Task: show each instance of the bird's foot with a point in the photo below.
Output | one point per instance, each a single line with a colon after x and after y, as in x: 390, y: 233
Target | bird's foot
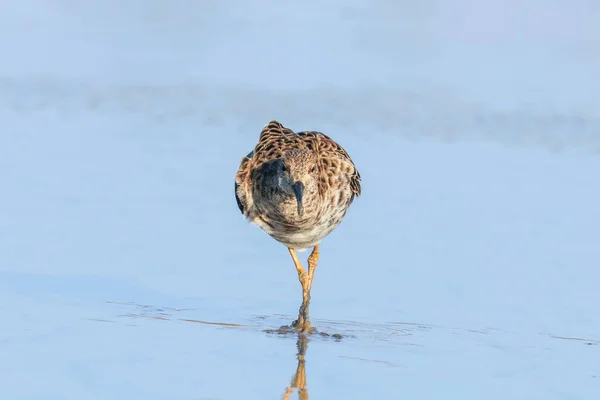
x: 302, y: 325
x: 306, y: 330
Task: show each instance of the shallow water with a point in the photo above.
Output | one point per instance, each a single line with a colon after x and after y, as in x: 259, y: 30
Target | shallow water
x: 468, y: 268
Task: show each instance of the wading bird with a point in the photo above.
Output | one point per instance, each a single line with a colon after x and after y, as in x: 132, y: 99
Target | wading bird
x: 297, y: 187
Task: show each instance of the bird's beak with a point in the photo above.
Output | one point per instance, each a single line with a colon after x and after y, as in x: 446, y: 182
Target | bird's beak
x: 298, y: 189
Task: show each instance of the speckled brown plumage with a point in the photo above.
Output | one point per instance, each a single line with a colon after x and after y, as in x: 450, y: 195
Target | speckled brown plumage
x: 297, y: 187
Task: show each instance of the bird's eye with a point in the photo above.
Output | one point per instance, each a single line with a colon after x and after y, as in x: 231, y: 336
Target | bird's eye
x: 313, y: 169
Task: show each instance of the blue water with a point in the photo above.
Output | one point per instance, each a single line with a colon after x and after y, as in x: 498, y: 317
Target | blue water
x: 467, y: 270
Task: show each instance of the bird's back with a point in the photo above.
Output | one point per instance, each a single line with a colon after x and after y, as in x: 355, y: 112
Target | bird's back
x: 338, y: 178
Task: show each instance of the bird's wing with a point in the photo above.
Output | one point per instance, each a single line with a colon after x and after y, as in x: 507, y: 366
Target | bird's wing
x: 240, y: 187
x: 329, y: 152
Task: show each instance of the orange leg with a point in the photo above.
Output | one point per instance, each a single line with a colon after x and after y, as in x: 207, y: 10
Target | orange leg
x: 313, y: 260
x: 303, y: 322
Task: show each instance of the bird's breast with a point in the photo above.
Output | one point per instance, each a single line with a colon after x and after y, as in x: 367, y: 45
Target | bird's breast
x: 282, y: 222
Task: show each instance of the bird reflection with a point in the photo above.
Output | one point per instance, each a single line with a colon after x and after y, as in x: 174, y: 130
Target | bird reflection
x: 299, y: 379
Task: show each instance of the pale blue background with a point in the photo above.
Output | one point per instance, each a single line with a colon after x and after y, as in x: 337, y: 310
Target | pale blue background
x: 461, y: 273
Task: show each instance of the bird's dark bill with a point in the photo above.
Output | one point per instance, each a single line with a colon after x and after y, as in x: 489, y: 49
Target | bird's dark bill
x: 298, y: 189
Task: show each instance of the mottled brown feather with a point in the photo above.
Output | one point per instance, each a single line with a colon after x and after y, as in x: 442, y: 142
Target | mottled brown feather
x: 275, y: 140
x: 339, y: 182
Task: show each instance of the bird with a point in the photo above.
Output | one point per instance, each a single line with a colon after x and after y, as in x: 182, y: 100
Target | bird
x: 297, y: 187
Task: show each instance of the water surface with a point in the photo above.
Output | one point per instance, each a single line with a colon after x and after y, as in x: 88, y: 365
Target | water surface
x: 467, y: 270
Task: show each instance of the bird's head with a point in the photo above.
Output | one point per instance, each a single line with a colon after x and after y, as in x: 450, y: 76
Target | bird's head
x: 298, y: 174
